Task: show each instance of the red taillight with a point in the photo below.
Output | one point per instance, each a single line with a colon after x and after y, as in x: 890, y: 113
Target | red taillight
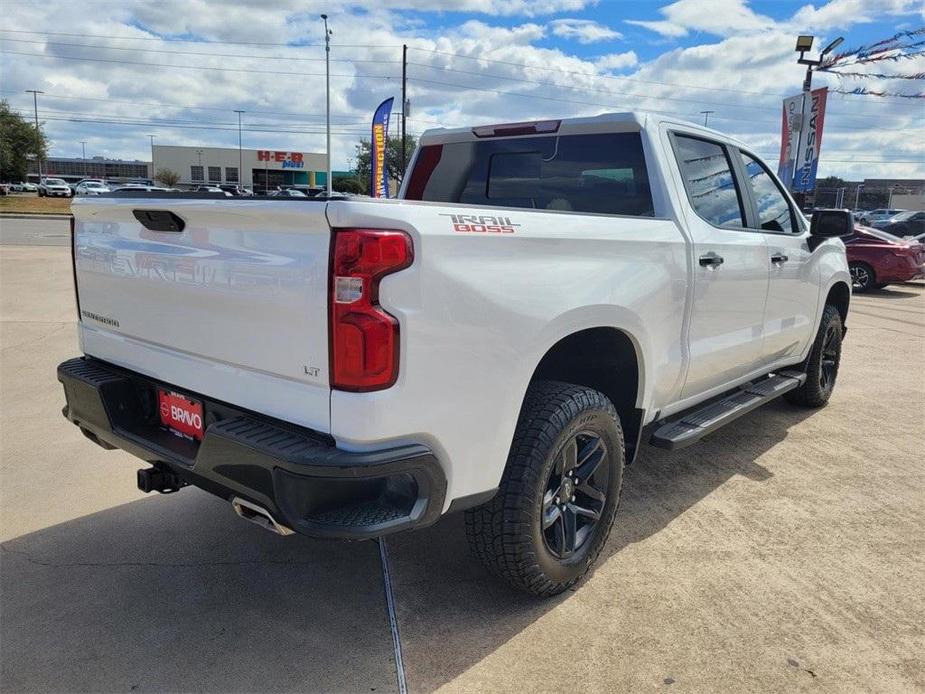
x: 364, y: 338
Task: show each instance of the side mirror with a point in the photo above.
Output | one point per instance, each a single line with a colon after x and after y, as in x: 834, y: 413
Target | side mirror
x: 827, y: 224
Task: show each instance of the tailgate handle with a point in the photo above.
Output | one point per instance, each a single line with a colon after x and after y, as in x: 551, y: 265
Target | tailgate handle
x: 159, y: 220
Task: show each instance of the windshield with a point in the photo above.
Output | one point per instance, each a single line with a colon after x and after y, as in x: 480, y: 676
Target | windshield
x: 55, y: 182
x: 902, y: 216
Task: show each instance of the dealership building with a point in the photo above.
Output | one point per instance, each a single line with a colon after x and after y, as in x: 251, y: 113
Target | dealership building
x: 259, y: 168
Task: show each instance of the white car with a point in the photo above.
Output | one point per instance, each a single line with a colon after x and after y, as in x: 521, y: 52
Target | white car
x: 543, y: 300
x: 55, y: 187
x: 29, y: 187
x: 91, y: 188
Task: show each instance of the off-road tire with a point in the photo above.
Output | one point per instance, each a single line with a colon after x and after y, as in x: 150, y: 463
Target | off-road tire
x: 816, y: 391
x: 506, y: 533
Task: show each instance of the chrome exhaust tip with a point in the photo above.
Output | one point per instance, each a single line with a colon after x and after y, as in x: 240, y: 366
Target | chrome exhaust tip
x: 260, y: 516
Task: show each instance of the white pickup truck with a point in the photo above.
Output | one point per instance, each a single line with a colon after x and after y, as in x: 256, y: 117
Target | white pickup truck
x: 543, y: 299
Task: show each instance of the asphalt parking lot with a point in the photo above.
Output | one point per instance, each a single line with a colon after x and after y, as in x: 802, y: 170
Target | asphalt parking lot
x: 786, y: 552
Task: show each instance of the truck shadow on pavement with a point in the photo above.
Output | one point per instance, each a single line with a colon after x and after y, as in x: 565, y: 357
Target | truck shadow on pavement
x: 453, y: 613
x: 176, y: 594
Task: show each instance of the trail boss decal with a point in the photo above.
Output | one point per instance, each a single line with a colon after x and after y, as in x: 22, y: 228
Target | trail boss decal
x: 481, y: 224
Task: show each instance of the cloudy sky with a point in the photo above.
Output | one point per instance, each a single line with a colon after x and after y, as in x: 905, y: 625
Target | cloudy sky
x: 116, y: 71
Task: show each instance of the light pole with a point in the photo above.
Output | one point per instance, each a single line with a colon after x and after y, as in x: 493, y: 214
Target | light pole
x: 240, y: 155
x: 889, y: 202
x: 805, y: 43
x: 857, y: 195
x: 83, y: 153
x: 327, y: 81
x: 35, y: 103
x: 153, y: 167
x: 706, y: 117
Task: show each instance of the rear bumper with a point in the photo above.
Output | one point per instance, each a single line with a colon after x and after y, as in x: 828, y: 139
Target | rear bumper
x: 298, y: 475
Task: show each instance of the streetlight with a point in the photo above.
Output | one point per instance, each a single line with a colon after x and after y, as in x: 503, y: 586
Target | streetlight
x: 35, y: 103
x: 83, y: 152
x: 240, y: 156
x: 706, y: 117
x: 857, y: 195
x: 804, y: 44
x: 153, y: 168
x: 327, y: 79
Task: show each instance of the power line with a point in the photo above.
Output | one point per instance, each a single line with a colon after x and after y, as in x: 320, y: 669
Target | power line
x: 199, y: 53
x: 619, y: 94
x: 583, y: 74
x: 163, y: 104
x: 176, y: 40
x: 193, y: 67
x: 597, y: 103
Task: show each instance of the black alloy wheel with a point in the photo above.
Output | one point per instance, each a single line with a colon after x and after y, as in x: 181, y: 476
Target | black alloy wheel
x: 575, y: 494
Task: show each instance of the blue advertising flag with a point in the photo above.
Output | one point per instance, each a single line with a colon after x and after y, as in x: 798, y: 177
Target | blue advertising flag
x: 379, y: 172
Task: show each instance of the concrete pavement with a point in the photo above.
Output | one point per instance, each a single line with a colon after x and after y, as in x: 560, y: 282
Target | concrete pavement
x: 785, y: 552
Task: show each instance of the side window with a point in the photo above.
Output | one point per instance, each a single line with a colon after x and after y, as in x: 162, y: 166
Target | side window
x: 774, y: 213
x: 710, y: 185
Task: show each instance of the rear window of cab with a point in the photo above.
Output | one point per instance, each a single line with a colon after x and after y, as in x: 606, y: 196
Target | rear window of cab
x: 597, y: 173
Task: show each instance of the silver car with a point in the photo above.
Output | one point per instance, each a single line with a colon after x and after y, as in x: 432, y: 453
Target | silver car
x: 91, y: 188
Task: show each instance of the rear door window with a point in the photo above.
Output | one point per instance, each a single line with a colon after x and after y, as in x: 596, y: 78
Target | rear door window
x: 600, y: 173
x: 711, y: 187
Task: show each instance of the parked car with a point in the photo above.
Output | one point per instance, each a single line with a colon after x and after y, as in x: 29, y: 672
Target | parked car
x: 55, y: 187
x: 906, y: 224
x: 237, y: 191
x: 287, y: 193
x: 918, y: 238
x: 29, y: 187
x: 545, y: 299
x: 878, y: 216
x: 139, y: 188
x: 91, y: 188
x: 213, y: 189
x: 15, y: 187
x: 876, y: 259
x: 5, y: 188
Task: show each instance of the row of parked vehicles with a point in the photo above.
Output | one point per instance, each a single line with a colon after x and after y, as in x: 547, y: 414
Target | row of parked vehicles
x: 58, y: 187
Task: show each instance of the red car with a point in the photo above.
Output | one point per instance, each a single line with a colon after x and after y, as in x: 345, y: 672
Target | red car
x: 877, y: 259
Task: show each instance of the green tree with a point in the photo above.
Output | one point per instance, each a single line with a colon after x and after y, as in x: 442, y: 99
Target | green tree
x: 18, y: 140
x: 392, y: 159
x: 348, y: 184
x: 168, y: 177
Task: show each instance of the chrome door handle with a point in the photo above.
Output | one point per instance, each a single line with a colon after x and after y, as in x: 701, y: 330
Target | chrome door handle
x: 779, y: 258
x: 711, y: 260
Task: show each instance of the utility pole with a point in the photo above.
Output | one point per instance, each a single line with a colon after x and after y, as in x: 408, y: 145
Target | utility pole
x: 706, y: 117
x: 83, y: 152
x: 404, y: 105
x: 240, y: 155
x: 327, y: 81
x: 35, y: 103
x: 153, y: 167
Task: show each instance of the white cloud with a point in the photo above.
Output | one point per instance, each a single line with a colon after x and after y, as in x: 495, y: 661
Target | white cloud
x: 465, y: 74
x: 615, y: 61
x: 839, y: 14
x: 583, y: 30
x: 719, y: 17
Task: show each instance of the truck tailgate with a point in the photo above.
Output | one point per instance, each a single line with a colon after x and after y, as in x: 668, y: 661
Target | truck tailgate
x: 234, y: 306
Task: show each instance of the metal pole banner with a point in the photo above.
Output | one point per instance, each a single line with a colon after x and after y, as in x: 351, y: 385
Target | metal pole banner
x: 378, y: 171
x: 791, y: 118
x: 804, y: 178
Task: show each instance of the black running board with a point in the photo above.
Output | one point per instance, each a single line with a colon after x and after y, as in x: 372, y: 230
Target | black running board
x: 693, y: 425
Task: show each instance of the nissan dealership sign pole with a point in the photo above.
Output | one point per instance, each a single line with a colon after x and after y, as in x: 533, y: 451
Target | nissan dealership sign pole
x: 801, y: 133
x: 327, y: 80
